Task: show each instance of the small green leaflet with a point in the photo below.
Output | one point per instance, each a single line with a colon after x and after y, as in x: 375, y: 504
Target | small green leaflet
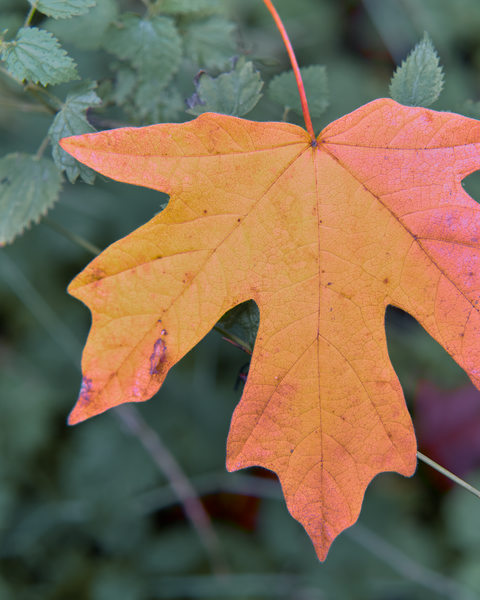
x: 95, y: 22
x: 125, y: 82
x: 234, y: 93
x: 71, y: 121
x: 28, y: 188
x: 188, y: 6
x: 284, y: 91
x: 36, y: 55
x: 153, y: 46
x: 419, y: 80
x: 156, y: 104
x: 209, y: 43
x: 243, y: 321
x: 62, y: 9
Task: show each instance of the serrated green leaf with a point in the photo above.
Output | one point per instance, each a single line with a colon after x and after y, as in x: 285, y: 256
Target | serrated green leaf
x: 188, y: 6
x: 125, y: 83
x: 234, y: 93
x: 69, y: 121
x: 419, y: 80
x: 62, y: 9
x: 209, y: 43
x: 152, y: 45
x: 95, y: 22
x: 154, y: 105
x: 243, y: 320
x: 284, y: 91
x: 28, y: 188
x: 37, y: 56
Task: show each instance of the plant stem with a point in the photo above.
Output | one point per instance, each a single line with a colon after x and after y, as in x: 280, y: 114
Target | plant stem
x: 8, y: 74
x: 31, y: 12
x: 236, y: 340
x: 179, y: 482
x: 28, y: 107
x: 73, y: 237
x: 296, y: 70
x: 42, y: 148
x: 285, y: 114
x: 129, y: 415
x: 451, y: 476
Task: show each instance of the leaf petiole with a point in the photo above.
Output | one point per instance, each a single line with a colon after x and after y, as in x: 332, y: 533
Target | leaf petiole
x: 73, y: 237
x: 451, y: 476
x: 295, y: 67
x: 29, y: 17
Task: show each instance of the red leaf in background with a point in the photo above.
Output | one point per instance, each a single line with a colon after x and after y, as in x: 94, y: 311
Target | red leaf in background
x: 447, y: 423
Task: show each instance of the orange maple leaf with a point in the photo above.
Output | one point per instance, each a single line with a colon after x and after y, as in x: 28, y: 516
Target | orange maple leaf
x: 323, y: 236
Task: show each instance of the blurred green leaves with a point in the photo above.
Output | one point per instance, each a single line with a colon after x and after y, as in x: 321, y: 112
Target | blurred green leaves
x: 29, y: 186
x: 36, y: 55
x: 419, y: 80
x: 95, y: 22
x: 71, y: 120
x: 209, y: 43
x: 62, y: 9
x: 284, y: 91
x: 152, y: 46
x: 234, y: 93
x: 189, y: 6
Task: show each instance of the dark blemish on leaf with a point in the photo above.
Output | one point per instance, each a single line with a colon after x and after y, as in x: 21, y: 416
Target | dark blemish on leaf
x: 157, y: 357
x: 470, y: 274
x: 95, y: 274
x: 85, y: 391
x: 239, y: 220
x: 205, y: 212
x: 164, y: 332
x: 4, y: 180
x: 291, y: 451
x: 385, y: 280
x: 329, y: 283
x: 462, y: 335
x: 314, y: 144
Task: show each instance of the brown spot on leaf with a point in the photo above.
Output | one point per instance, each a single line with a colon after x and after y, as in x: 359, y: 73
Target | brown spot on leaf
x: 94, y: 274
x: 385, y: 280
x: 85, y: 391
x: 157, y: 357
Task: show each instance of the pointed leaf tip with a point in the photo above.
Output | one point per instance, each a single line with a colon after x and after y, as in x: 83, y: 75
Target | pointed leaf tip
x: 419, y: 80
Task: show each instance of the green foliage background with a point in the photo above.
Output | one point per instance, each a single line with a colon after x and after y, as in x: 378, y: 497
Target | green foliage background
x: 84, y: 513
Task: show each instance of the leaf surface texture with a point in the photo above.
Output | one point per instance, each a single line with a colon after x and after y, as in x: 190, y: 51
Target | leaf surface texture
x: 323, y: 237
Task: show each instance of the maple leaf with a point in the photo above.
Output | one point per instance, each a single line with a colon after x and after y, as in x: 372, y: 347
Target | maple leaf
x: 322, y: 236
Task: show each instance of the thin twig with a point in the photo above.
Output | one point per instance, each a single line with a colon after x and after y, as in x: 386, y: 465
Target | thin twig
x: 185, y: 492
x: 42, y: 148
x: 451, y: 476
x: 407, y: 567
x: 29, y: 17
x: 28, y: 107
x: 296, y: 70
x: 128, y: 414
x: 8, y: 74
x: 235, y: 339
x: 73, y: 237
x: 249, y: 485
